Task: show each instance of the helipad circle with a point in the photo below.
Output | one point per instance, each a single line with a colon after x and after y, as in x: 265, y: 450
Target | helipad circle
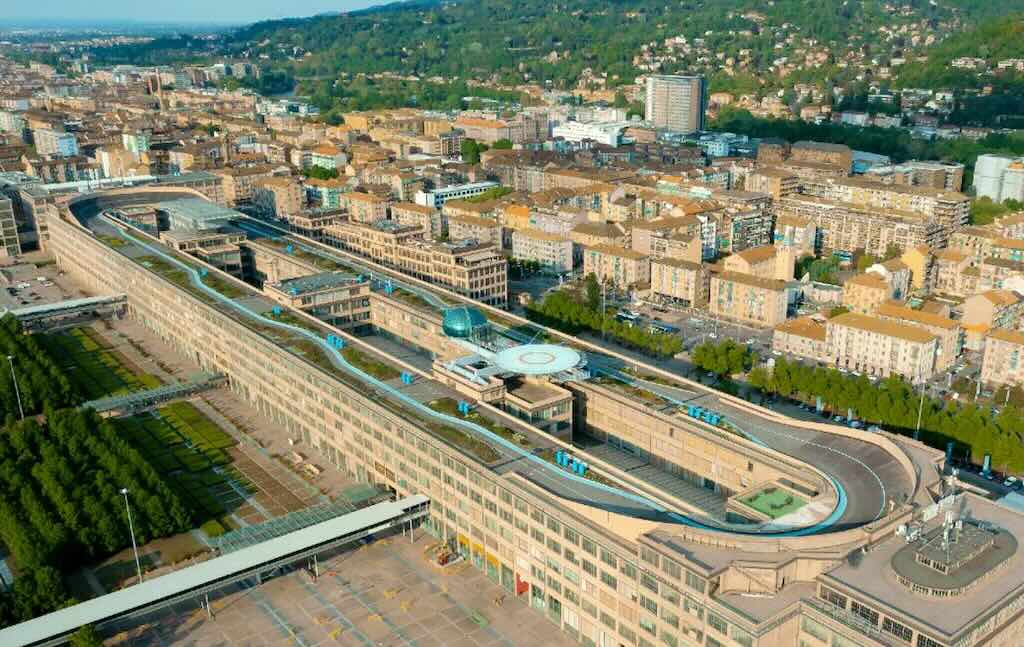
x: 537, y: 359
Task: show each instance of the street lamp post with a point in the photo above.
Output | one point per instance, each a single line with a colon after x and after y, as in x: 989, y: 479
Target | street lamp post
x: 17, y: 391
x: 920, y: 410
x: 131, y: 530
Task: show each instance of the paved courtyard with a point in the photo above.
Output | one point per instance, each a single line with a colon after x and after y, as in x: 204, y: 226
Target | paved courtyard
x: 380, y: 594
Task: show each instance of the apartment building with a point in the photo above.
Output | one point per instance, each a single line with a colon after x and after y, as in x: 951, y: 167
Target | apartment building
x: 552, y: 251
x: 743, y: 228
x: 595, y: 234
x: 676, y: 103
x: 845, y: 228
x: 279, y: 196
x: 623, y: 268
x: 55, y: 143
x: 474, y: 270
x: 766, y: 261
x: 679, y: 281
x: 798, y: 233
x: 483, y: 230
x: 486, y: 131
x: 409, y: 214
x: 919, y: 261
x: 880, y: 347
x: 951, y: 273
x: 9, y: 243
x: 378, y: 240
x: 981, y: 243
x: 648, y: 236
x: 999, y: 274
x: 365, y: 207
x: 949, y: 332
x: 949, y: 209
x: 777, y: 183
x: 1003, y: 361
x: 863, y: 293
x: 240, y: 183
x: 946, y: 176
x: 802, y: 337
x: 896, y: 273
x: 752, y: 300
x: 337, y: 298
x: 998, y: 177
x: 988, y: 311
x: 329, y: 194
x: 838, y: 155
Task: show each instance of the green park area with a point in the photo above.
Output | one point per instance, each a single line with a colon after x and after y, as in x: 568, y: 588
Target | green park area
x: 774, y: 502
x: 190, y: 453
x: 94, y: 367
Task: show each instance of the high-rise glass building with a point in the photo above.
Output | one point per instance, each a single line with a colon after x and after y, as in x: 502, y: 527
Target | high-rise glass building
x: 676, y: 103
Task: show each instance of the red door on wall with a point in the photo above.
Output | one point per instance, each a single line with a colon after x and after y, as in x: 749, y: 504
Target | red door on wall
x: 521, y: 586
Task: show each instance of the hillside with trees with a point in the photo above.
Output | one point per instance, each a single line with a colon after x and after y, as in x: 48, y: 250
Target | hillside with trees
x: 558, y: 44
x: 993, y: 40
x: 897, y: 144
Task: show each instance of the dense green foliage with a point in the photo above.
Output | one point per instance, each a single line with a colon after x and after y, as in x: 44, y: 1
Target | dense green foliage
x: 41, y: 381
x: 269, y: 82
x: 363, y: 93
x: 897, y: 144
x: 821, y: 269
x: 86, y: 637
x: 470, y: 150
x: 513, y: 40
x: 61, y: 506
x: 992, y: 40
x: 321, y: 173
x: 893, y: 404
x: 984, y: 211
x: 562, y: 311
x: 724, y: 359
x: 491, y: 194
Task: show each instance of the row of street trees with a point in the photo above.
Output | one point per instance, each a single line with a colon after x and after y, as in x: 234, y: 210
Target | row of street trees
x: 724, y: 359
x: 561, y: 310
x: 894, y: 405
x: 61, y: 505
x: 41, y: 381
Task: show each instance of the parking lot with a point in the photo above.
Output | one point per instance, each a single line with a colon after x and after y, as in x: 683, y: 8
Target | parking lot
x: 27, y: 284
x: 698, y: 326
x: 382, y: 593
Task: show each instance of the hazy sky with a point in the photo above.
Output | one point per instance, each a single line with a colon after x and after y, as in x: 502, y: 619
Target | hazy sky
x: 172, y: 10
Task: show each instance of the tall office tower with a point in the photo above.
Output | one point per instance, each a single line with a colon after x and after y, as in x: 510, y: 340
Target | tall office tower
x: 676, y: 103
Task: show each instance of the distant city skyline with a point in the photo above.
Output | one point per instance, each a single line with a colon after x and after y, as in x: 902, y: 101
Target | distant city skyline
x: 193, y: 11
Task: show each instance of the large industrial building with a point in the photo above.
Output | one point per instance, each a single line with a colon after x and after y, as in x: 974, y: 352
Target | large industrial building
x: 630, y: 507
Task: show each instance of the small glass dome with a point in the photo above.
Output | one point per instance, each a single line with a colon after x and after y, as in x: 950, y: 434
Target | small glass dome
x: 464, y: 322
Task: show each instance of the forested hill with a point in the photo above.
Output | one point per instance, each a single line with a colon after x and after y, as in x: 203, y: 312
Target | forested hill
x: 558, y: 40
x: 993, y: 40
